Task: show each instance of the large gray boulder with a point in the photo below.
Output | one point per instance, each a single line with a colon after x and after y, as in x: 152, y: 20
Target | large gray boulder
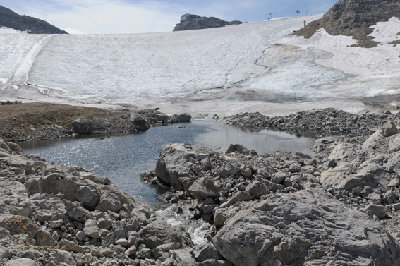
x: 306, y: 228
x: 174, y: 164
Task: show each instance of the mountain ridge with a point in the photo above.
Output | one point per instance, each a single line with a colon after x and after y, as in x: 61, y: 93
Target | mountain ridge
x: 354, y: 18
x: 11, y: 19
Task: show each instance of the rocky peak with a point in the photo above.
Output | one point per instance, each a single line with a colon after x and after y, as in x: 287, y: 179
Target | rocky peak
x: 195, y: 22
x: 354, y: 18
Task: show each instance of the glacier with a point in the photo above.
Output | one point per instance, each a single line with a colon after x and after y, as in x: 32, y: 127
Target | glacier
x: 250, y: 67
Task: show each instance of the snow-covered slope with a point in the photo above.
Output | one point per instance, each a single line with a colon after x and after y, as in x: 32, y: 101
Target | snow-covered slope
x: 251, y: 67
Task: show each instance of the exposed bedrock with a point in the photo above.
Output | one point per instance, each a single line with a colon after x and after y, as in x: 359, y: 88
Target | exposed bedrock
x: 309, y: 227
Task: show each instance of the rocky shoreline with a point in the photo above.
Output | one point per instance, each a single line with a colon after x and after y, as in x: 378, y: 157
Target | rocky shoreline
x: 59, y: 215
x: 23, y: 122
x: 338, y: 207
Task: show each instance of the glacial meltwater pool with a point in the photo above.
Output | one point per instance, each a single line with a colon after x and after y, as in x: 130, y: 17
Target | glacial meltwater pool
x: 122, y: 159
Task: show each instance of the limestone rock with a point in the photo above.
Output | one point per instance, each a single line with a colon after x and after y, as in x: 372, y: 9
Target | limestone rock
x: 22, y: 262
x: 110, y: 202
x: 91, y: 229
x: 308, y: 227
x: 203, y: 188
x: 389, y: 129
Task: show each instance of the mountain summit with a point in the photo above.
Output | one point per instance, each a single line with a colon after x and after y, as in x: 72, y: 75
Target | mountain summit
x: 354, y: 18
x: 10, y: 19
x: 194, y: 22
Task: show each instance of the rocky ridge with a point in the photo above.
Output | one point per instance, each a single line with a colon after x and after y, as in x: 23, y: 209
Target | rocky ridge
x: 194, y: 22
x: 354, y: 18
x: 10, y: 19
x: 338, y: 207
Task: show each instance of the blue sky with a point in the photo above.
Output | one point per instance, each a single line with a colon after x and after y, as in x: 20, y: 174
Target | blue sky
x: 131, y: 16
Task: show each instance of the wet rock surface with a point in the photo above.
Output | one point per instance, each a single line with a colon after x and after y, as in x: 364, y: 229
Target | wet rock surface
x: 338, y: 207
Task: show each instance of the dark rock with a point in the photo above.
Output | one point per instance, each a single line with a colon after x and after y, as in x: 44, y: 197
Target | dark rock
x: 10, y: 19
x: 82, y: 127
x: 194, y: 22
x: 354, y: 18
x: 182, y: 118
x: 140, y: 124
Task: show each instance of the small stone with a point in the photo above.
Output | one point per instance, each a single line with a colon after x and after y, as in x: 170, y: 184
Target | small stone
x: 247, y: 172
x: 81, y: 235
x: 122, y: 242
x: 91, y: 229
x: 130, y: 251
x: 396, y: 206
x: 56, y: 224
x: 278, y: 177
x: 394, y: 183
x: 104, y: 223
x: 70, y: 246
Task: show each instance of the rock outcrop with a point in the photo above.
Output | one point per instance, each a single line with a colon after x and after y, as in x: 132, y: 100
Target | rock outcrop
x: 194, y: 22
x: 354, y: 18
x: 316, y: 123
x: 10, y: 19
x: 309, y: 227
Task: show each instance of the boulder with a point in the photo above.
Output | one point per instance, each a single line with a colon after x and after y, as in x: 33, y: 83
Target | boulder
x: 91, y: 229
x: 257, y: 189
x: 21, y: 262
x: 389, y: 129
x: 54, y: 184
x: 140, y: 124
x: 44, y: 238
x: 182, y: 118
x: 88, y: 196
x: 82, y: 127
x: 110, y: 201
x: 203, y: 188
x: 16, y: 225
x: 206, y: 252
x: 62, y: 257
x: 309, y: 227
x: 4, y: 253
x: 159, y: 232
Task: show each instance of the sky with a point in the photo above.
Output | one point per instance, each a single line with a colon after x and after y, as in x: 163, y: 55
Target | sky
x: 134, y: 16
